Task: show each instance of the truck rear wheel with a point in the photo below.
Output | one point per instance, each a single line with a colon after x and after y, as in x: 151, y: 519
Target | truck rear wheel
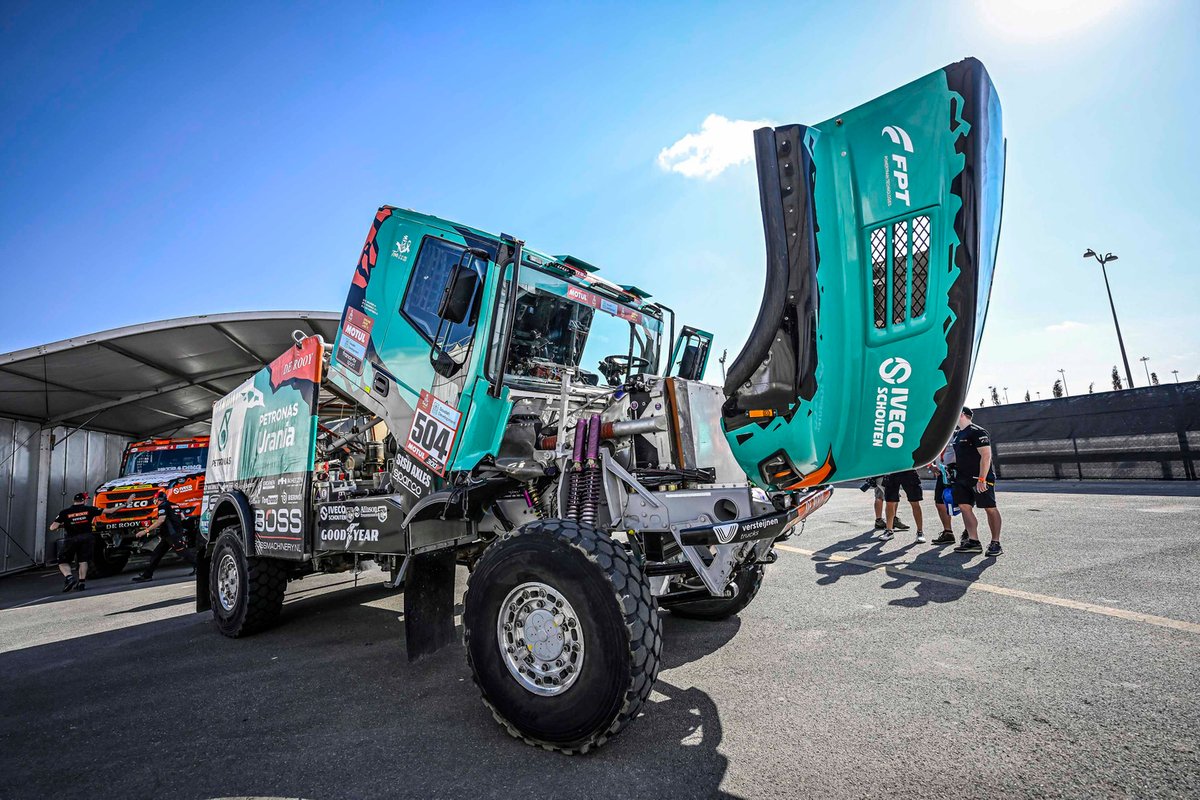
x: 748, y: 580
x: 246, y: 593
x: 562, y: 635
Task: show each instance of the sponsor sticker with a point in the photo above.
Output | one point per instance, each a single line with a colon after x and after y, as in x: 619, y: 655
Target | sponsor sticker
x: 356, y: 334
x: 434, y: 429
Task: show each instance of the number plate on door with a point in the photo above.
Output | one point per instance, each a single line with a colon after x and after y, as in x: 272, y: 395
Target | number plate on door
x: 431, y: 437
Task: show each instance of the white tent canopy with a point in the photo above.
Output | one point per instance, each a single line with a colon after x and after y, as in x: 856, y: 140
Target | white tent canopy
x: 153, y: 379
x: 68, y: 408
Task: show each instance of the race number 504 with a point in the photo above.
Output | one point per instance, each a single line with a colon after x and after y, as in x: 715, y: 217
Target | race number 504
x: 434, y: 429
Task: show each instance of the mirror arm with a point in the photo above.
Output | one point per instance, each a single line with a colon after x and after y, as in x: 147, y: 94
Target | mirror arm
x: 510, y: 316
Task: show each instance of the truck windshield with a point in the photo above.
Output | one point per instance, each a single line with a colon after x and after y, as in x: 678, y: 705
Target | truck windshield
x: 559, y: 324
x: 166, y: 459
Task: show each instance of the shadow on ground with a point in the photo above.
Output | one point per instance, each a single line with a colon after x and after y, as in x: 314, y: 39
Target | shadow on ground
x: 325, y: 705
x: 958, y: 569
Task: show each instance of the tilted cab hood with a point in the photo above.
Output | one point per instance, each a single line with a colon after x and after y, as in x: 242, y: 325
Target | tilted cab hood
x: 881, y: 228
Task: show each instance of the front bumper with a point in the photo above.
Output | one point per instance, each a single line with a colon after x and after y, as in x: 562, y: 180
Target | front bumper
x: 752, y: 529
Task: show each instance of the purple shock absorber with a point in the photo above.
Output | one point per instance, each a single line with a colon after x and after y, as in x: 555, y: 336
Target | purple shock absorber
x: 573, y: 485
x: 590, y: 482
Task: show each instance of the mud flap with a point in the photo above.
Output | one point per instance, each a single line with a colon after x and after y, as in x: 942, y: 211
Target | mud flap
x: 203, y: 565
x: 429, y: 603
x: 881, y: 227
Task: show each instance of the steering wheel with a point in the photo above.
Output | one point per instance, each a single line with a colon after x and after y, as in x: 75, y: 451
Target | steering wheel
x: 613, y: 367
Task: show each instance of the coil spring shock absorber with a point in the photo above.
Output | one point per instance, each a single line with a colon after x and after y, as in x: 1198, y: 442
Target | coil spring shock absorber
x: 576, y: 467
x: 590, y: 480
x: 533, y: 499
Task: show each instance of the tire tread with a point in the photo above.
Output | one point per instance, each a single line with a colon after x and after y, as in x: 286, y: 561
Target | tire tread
x: 640, y: 616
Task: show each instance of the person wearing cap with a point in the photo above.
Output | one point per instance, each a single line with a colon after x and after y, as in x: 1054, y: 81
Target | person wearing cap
x: 172, y: 537
x: 975, y: 484
x: 78, y: 521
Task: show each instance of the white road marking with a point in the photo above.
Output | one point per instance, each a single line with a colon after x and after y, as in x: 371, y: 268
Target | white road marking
x: 901, y: 569
x: 31, y: 602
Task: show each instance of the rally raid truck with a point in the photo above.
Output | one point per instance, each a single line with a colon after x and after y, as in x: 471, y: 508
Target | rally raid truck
x: 489, y: 405
x: 174, y: 466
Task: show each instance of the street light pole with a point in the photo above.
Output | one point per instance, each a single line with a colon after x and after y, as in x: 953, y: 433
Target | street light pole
x: 1175, y: 372
x: 1107, y: 257
x: 1066, y: 391
x: 1146, y: 363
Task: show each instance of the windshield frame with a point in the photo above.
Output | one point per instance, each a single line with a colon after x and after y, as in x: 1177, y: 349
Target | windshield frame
x: 645, y: 329
x: 131, y: 456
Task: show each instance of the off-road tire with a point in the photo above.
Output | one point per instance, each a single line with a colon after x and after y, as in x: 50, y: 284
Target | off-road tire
x: 261, y: 583
x: 622, y: 634
x: 748, y: 579
x: 103, y: 565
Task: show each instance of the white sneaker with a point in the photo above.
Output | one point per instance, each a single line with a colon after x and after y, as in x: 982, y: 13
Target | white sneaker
x: 886, y: 535
x: 920, y: 537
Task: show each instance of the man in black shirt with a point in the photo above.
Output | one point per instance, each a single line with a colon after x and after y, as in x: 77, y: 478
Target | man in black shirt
x: 975, y: 484
x: 172, y: 537
x: 76, y: 519
x: 910, y: 482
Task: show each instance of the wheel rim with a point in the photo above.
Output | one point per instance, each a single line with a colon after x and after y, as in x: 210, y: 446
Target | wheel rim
x: 227, y: 581
x: 540, y: 638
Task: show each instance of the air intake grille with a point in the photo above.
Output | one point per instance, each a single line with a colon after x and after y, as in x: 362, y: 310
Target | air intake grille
x: 899, y: 272
x: 920, y: 264
x: 900, y: 294
x: 879, y: 274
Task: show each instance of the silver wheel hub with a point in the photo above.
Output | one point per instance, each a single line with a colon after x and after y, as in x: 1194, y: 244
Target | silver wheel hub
x: 540, y: 638
x: 227, y: 582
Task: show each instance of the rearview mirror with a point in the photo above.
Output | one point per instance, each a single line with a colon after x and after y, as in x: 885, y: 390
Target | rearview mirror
x: 460, y: 290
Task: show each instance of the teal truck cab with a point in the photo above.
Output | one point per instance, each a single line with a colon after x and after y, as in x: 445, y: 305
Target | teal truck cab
x: 491, y: 405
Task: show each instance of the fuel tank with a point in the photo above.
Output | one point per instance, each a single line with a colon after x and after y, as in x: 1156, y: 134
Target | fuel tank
x: 881, y: 231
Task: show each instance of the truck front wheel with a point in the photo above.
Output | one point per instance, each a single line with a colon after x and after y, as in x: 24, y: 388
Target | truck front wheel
x: 105, y: 563
x: 246, y: 593
x: 747, y: 580
x: 562, y: 635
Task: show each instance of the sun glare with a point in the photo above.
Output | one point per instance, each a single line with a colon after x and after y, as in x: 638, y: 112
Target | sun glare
x: 1044, y: 19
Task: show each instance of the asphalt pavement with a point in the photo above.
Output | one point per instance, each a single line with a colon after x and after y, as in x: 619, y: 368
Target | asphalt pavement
x: 1068, y: 667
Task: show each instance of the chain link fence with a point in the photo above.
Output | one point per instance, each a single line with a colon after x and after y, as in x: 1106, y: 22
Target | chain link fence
x: 1136, y: 434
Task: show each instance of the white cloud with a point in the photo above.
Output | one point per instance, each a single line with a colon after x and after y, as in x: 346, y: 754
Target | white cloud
x: 1063, y: 327
x: 721, y: 143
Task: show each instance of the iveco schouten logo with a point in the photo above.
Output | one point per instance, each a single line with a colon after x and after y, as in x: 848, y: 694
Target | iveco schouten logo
x: 891, y: 403
x: 895, y: 370
x: 895, y: 166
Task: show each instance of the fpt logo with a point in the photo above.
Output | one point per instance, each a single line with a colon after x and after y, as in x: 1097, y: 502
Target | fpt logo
x: 895, y: 166
x: 891, y: 403
x: 223, y: 436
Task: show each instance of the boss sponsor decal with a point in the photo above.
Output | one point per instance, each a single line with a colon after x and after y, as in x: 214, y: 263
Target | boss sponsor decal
x: 434, y: 428
x: 891, y: 403
x: 285, y: 523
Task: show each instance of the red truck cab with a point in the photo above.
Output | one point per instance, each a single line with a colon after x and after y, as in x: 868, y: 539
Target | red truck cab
x: 175, y: 466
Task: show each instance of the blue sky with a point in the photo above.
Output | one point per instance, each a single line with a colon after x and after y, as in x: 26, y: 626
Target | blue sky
x: 174, y: 159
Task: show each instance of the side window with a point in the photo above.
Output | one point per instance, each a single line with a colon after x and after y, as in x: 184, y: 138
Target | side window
x: 435, y: 260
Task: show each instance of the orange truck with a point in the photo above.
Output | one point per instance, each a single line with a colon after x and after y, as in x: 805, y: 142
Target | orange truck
x: 175, y: 466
